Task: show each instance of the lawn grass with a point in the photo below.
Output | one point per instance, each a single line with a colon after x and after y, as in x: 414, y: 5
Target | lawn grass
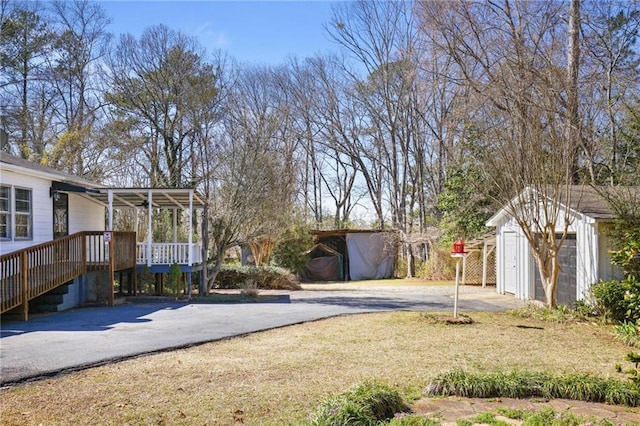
x: 280, y: 376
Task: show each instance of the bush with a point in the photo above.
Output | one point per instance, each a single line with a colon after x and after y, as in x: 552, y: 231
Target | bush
x: 265, y: 277
x: 146, y: 280
x: 369, y: 403
x: 439, y: 266
x: 174, y: 279
x: 617, y: 301
x: 290, y: 251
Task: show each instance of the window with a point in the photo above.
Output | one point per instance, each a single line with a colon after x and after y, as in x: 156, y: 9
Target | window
x: 5, y: 212
x: 23, y: 214
x: 16, y: 213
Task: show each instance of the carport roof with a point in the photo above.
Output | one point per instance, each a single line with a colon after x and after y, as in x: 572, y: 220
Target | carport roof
x: 160, y: 197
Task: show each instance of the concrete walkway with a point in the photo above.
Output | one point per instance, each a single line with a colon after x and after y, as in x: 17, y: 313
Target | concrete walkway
x: 53, y: 343
x: 449, y: 410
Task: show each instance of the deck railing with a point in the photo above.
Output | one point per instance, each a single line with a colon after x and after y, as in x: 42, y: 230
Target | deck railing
x: 169, y: 253
x: 28, y: 273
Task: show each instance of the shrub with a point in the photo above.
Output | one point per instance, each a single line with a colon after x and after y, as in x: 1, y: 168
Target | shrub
x: 265, y: 278
x: 628, y: 254
x: 174, y: 279
x: 290, y: 251
x: 365, y: 404
x: 439, y: 266
x: 146, y: 280
x: 617, y: 301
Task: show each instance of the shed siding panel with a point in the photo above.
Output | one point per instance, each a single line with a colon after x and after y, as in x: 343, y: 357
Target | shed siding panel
x: 587, y: 257
x: 606, y: 271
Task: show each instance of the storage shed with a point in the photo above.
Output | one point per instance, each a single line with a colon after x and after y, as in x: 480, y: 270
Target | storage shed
x: 584, y: 257
x: 366, y: 254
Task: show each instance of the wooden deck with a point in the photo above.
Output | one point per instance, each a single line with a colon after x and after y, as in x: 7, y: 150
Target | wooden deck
x: 28, y: 273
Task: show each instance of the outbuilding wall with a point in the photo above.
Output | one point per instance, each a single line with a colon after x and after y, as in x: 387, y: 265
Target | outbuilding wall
x: 589, y: 257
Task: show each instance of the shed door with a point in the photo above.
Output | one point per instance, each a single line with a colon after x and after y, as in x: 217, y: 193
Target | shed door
x: 510, y: 262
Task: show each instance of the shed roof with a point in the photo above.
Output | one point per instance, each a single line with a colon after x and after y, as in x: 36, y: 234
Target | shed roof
x: 587, y: 200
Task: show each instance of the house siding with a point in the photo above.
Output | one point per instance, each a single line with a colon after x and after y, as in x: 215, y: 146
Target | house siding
x: 42, y: 209
x: 84, y: 214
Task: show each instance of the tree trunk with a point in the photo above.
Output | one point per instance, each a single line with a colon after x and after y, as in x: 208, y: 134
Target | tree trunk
x: 549, y: 271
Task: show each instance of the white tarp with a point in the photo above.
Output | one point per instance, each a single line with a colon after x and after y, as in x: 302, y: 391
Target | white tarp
x: 370, y: 255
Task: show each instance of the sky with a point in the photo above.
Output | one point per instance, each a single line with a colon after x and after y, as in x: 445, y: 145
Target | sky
x: 257, y: 32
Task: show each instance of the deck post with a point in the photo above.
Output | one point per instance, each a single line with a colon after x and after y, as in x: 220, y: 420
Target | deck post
x: 112, y: 264
x: 149, y: 225
x: 190, y: 260
x: 485, y: 257
x: 464, y: 270
x: 24, y: 284
x: 110, y: 217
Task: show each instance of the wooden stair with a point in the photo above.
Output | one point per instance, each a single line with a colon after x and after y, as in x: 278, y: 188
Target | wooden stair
x: 29, y: 273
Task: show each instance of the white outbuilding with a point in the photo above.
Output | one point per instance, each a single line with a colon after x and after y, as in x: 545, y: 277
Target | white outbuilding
x: 584, y: 256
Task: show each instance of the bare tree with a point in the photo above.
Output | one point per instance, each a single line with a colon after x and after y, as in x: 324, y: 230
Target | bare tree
x: 610, y: 85
x: 382, y: 37
x: 252, y: 185
x: 328, y: 173
x: 523, y: 108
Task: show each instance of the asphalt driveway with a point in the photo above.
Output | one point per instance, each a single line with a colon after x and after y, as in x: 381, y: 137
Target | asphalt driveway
x: 73, y: 340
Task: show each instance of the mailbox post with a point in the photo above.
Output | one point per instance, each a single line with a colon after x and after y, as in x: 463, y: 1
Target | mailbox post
x: 458, y: 253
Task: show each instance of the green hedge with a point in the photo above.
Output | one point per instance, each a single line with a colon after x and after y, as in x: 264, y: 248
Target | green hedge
x: 266, y: 277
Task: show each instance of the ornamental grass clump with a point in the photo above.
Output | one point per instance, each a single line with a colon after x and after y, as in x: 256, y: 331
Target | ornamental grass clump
x: 249, y: 288
x: 366, y: 404
x: 524, y: 384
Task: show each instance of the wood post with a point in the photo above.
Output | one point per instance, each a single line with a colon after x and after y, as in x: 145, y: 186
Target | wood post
x: 112, y: 258
x: 24, y: 284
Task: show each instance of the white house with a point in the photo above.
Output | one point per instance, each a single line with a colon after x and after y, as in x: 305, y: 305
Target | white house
x: 57, y: 230
x: 584, y: 256
x: 39, y: 204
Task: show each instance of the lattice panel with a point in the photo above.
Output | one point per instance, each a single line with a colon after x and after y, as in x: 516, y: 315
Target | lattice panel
x: 474, y: 268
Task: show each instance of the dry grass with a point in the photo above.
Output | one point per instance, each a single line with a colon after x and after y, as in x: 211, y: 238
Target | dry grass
x: 279, y: 376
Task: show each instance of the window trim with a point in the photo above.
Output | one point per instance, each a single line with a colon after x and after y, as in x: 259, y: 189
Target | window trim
x: 13, y: 214
x: 9, y: 236
x: 29, y: 215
